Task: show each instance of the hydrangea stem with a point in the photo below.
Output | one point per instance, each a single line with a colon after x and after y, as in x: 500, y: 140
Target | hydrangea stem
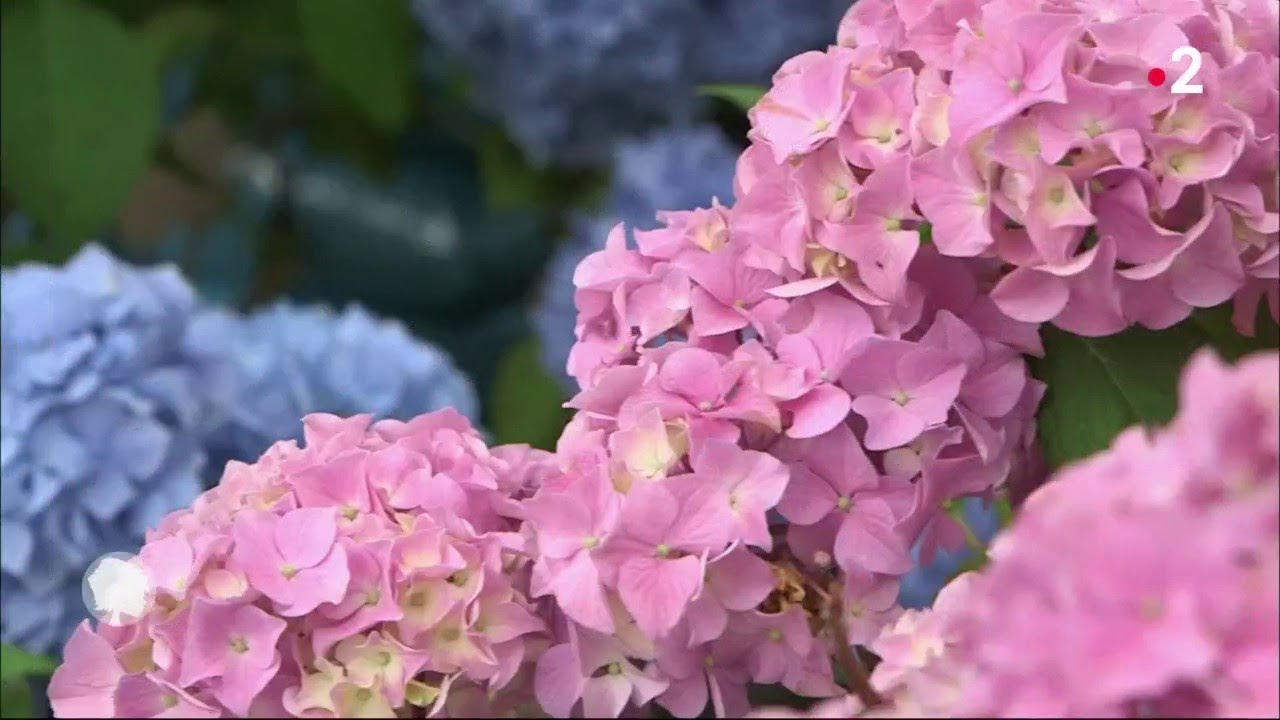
x: 846, y: 663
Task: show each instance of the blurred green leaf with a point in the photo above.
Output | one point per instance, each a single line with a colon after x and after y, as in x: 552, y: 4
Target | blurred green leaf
x: 46, y: 252
x: 16, y: 662
x: 79, y: 114
x: 176, y: 28
x: 509, y: 182
x: 15, y: 698
x: 365, y: 50
x: 525, y: 403
x: 1097, y: 387
x: 16, y: 665
x: 742, y: 96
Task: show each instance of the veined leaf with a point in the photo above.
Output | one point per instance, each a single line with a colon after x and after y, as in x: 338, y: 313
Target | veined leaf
x: 1097, y: 387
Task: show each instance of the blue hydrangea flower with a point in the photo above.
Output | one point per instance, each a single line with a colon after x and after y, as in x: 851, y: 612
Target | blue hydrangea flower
x: 109, y: 380
x: 291, y: 360
x: 567, y: 77
x: 681, y: 168
x: 570, y: 78
x: 744, y: 41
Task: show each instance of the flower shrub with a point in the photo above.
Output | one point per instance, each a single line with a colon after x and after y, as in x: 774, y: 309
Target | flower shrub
x: 325, y: 580
x: 294, y: 360
x: 109, y: 378
x: 1026, y: 132
x: 781, y: 398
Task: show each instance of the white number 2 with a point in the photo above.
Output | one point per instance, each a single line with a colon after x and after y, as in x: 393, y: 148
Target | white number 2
x: 1182, y: 86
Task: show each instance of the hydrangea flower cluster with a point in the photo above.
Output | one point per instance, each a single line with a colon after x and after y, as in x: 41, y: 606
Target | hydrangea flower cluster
x: 676, y: 167
x: 1026, y: 132
x: 1144, y: 582
x: 107, y: 388
x: 755, y: 455
x: 376, y: 568
x: 581, y: 100
x: 292, y: 360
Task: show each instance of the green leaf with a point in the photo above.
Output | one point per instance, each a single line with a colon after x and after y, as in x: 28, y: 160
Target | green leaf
x: 743, y: 97
x: 79, y: 113
x: 526, y: 404
x: 16, y: 665
x: 15, y: 698
x: 168, y: 31
x: 16, y: 662
x: 1097, y: 387
x: 509, y: 181
x: 365, y: 50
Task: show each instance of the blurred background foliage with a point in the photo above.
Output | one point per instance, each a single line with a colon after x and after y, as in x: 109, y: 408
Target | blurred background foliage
x: 274, y: 148
x: 329, y: 150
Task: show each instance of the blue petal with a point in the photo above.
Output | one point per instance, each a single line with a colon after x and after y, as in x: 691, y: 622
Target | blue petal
x: 16, y: 544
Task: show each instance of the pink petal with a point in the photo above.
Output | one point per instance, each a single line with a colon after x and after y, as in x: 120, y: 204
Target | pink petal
x: 803, y: 287
x: 693, y: 373
x: 304, y: 536
x: 657, y: 591
x: 168, y: 562
x: 706, y: 618
x: 315, y: 586
x: 685, y: 698
x: 712, y: 317
x: 1030, y: 295
x: 889, y: 424
x: 605, y: 696
x: 817, y: 411
x: 558, y: 680
x: 84, y: 684
x: 242, y: 683
x: 741, y: 580
x: 808, y: 498
x: 865, y: 542
x: 577, y: 589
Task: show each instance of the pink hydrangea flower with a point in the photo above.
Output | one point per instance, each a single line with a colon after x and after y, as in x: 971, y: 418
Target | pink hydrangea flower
x: 779, y: 447
x: 1030, y: 134
x: 376, y: 568
x: 1142, y: 581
